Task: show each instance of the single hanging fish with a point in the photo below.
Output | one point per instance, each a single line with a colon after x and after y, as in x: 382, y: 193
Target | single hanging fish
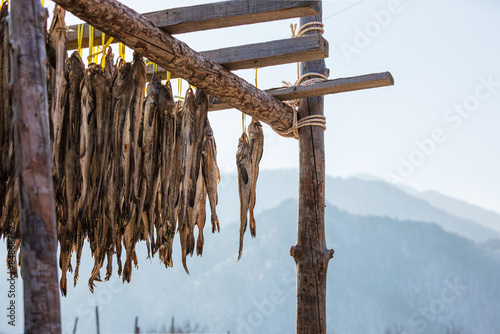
x: 256, y: 137
x: 70, y: 141
x: 211, y: 174
x: 244, y: 167
x: 187, y: 158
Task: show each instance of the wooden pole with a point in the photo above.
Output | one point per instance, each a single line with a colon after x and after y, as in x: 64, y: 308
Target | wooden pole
x: 27, y: 26
x: 74, y: 327
x: 310, y: 253
x: 97, y: 319
x: 138, y: 33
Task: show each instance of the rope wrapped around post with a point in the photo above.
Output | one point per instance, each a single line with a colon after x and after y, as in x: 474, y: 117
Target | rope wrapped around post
x: 314, y: 120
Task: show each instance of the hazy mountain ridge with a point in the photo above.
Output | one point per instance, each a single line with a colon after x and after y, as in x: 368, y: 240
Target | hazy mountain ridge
x: 359, y: 197
x: 385, y: 272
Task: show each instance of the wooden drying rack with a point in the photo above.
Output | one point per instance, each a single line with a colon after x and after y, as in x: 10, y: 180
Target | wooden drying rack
x: 151, y: 35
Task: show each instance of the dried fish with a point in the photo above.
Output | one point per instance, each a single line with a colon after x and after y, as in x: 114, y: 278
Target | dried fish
x: 244, y: 167
x: 256, y: 137
x: 211, y: 173
x: 69, y: 152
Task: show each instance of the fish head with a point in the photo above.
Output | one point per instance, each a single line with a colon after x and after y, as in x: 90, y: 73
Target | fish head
x: 243, y: 148
x: 255, y: 129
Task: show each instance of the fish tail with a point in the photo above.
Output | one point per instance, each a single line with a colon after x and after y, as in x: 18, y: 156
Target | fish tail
x: 253, y: 226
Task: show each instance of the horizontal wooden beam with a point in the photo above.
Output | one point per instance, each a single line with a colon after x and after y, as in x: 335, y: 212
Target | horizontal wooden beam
x: 322, y: 88
x: 272, y: 53
x: 212, y: 16
x: 138, y: 33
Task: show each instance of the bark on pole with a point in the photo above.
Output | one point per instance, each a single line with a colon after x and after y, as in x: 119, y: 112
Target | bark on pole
x: 136, y: 32
x: 310, y: 253
x: 27, y: 25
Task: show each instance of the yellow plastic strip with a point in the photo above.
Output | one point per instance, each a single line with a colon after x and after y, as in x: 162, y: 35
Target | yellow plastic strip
x: 80, y: 39
x: 243, y: 123
x: 91, y: 44
x: 169, y: 76
x: 43, y: 3
x: 121, y: 51
x: 179, y: 83
x: 256, y: 85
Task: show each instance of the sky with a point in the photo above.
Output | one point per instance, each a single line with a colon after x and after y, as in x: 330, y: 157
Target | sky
x: 436, y: 129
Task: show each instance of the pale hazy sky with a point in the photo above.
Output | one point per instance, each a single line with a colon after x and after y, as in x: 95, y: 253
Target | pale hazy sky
x: 444, y: 58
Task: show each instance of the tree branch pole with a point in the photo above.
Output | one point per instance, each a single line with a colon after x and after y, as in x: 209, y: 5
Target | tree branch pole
x: 27, y: 26
x: 311, y: 254
x: 138, y: 33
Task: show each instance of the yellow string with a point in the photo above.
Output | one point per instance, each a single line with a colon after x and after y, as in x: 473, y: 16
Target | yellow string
x: 169, y: 75
x: 121, y: 51
x: 91, y: 44
x: 256, y: 85
x: 43, y: 3
x: 179, y: 84
x: 80, y: 39
x: 243, y: 123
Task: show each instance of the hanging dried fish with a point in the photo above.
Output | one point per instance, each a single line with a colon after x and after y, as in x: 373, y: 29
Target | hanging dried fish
x: 165, y: 231
x: 244, y: 166
x: 174, y: 191
x: 57, y: 41
x: 186, y: 158
x: 69, y: 153
x: 256, y: 137
x: 150, y: 160
x: 211, y: 173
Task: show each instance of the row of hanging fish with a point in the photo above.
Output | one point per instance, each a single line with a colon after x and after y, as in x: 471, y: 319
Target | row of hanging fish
x: 128, y: 165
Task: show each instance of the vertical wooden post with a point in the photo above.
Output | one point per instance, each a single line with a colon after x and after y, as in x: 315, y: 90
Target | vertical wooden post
x: 97, y: 319
x: 74, y: 327
x: 27, y: 26
x: 310, y: 254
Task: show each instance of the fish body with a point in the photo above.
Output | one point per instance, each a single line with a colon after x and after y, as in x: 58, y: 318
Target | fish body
x: 256, y: 137
x: 244, y: 166
x: 186, y: 159
x: 70, y: 141
x: 210, y: 172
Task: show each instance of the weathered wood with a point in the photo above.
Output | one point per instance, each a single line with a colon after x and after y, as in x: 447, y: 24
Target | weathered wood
x: 98, y: 327
x: 310, y: 253
x: 212, y: 16
x: 284, y: 51
x: 27, y: 26
x: 333, y: 86
x: 135, y: 31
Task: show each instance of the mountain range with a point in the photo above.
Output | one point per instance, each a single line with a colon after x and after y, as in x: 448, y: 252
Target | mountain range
x: 404, y: 262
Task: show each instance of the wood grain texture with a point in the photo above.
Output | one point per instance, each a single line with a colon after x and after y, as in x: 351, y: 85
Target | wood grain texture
x: 212, y: 16
x: 27, y: 24
x: 138, y: 33
x: 310, y: 253
x: 260, y: 55
x: 333, y: 86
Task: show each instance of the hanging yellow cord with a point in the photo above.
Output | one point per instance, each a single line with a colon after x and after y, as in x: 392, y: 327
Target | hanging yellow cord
x: 256, y: 85
x: 43, y: 3
x: 179, y: 84
x: 121, y: 51
x: 169, y: 76
x: 80, y: 39
x: 91, y: 44
x: 103, y: 58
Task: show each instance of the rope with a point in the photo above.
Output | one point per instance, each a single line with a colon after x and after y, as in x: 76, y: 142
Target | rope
x: 311, y: 26
x: 313, y: 120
